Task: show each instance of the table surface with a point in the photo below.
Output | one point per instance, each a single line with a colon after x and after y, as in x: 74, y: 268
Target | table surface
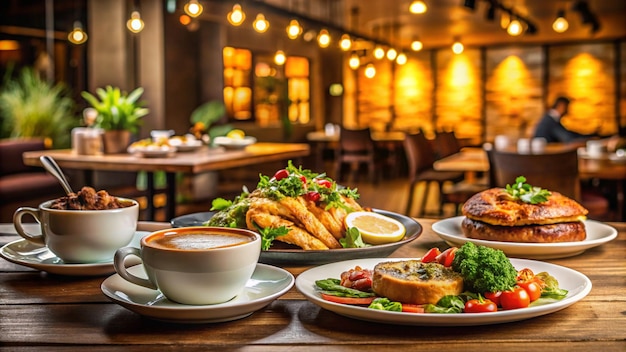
x: 49, y: 312
x: 201, y: 160
x: 378, y: 136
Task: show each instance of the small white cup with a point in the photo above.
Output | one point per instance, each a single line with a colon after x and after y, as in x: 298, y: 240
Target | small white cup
x: 501, y: 142
x: 523, y: 146
x: 81, y: 236
x: 595, y: 149
x: 195, y: 265
x: 538, y: 145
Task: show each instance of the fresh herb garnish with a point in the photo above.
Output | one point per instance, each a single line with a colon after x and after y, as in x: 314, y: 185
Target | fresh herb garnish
x: 383, y: 303
x: 527, y: 193
x: 220, y: 204
x: 353, y: 239
x: 268, y: 235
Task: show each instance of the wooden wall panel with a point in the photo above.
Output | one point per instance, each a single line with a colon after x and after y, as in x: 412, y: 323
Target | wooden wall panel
x: 413, y: 98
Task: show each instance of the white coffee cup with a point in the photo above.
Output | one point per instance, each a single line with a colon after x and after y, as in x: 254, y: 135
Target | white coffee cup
x: 595, y: 149
x: 195, y: 265
x: 501, y: 142
x: 538, y: 145
x: 81, y: 236
x: 523, y: 145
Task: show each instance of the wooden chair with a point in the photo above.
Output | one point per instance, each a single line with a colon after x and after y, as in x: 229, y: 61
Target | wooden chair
x: 420, y: 158
x: 356, y: 147
x: 446, y: 144
x: 556, y: 171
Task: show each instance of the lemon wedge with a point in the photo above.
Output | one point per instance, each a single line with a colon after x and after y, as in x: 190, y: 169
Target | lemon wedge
x: 376, y: 228
x: 236, y: 134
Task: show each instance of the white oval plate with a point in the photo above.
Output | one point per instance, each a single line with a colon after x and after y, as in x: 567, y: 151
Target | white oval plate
x: 38, y: 257
x: 152, y: 152
x: 576, y: 283
x: 597, y: 234
x: 267, y: 284
x: 232, y: 143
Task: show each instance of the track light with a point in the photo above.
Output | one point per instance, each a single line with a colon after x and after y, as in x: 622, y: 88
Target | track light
x: 77, y: 35
x: 355, y: 61
x: 586, y: 15
x: 236, y: 16
x: 135, y: 23
x: 490, y: 15
x: 560, y: 24
x: 193, y: 8
x: 470, y: 4
x: 515, y: 28
x: 260, y: 24
x: 418, y: 6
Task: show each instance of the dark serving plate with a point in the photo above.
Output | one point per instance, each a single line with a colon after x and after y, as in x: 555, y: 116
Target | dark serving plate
x: 289, y: 255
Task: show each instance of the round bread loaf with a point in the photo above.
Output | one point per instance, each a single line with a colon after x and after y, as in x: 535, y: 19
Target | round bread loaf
x: 551, y: 233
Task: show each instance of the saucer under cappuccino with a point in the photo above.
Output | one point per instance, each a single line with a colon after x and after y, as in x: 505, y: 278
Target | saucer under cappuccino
x: 196, y: 240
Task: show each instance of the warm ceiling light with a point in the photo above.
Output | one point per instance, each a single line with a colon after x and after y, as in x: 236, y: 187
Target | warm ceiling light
x: 417, y: 6
x: 294, y: 29
x: 323, y: 38
x: 354, y: 61
x: 379, y: 52
x: 401, y: 59
x: 417, y: 45
x: 457, y: 47
x: 560, y: 24
x: 184, y: 20
x: 260, y: 24
x: 135, y: 23
x: 280, y: 57
x: 505, y: 19
x: 236, y: 16
x: 345, y: 43
x: 9, y: 45
x: 392, y: 54
x: 193, y: 8
x: 515, y: 28
x: 370, y: 71
x: 77, y: 35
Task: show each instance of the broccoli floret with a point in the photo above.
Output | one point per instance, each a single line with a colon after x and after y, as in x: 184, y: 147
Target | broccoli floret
x: 484, y: 269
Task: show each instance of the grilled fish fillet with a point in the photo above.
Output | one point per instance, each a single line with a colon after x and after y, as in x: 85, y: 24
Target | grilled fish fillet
x: 334, y: 226
x: 495, y: 207
x: 308, y: 221
x: 295, y: 236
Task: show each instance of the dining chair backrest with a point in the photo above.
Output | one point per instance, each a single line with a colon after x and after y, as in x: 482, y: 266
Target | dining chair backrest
x: 419, y: 153
x: 556, y: 171
x: 446, y: 144
x: 356, y: 141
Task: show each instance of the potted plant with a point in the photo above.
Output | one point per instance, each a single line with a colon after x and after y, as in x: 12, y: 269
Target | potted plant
x: 205, y: 118
x: 119, y: 115
x: 33, y: 107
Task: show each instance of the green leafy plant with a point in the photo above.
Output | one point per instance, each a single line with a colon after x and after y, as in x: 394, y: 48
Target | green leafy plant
x: 33, y: 107
x: 116, y: 109
x: 527, y: 193
x: 205, y: 119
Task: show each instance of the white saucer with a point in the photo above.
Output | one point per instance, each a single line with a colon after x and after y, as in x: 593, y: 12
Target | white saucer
x: 25, y: 253
x: 267, y: 283
x: 597, y: 234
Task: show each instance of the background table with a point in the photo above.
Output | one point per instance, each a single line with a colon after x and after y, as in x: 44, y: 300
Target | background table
x: 202, y: 160
x: 48, y: 312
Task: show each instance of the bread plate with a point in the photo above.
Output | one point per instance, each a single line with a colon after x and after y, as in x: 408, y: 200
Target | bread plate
x: 577, y: 284
x: 289, y: 255
x: 597, y: 234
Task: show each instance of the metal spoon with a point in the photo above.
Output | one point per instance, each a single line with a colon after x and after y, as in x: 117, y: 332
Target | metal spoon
x: 53, y: 168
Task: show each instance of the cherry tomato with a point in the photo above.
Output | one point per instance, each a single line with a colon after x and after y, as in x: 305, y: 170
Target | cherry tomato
x: 532, y: 288
x: 348, y: 300
x: 412, y: 308
x: 323, y: 182
x: 494, y: 297
x: 303, y: 179
x: 280, y: 174
x: 480, y: 305
x: 431, y: 255
x: 446, y: 257
x: 514, y: 298
x: 312, y: 196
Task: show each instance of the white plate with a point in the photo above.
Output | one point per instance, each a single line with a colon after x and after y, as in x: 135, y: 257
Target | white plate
x: 153, y: 152
x: 187, y: 145
x: 233, y: 143
x: 597, y: 233
x: 267, y: 284
x: 38, y: 257
x: 576, y: 283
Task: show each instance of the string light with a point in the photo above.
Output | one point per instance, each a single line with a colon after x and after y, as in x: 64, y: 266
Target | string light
x: 135, y: 23
x: 260, y: 24
x: 77, y: 35
x: 193, y: 8
x: 417, y: 45
x: 370, y: 70
x: 294, y: 29
x: 323, y: 38
x: 236, y: 16
x: 379, y: 52
x: 457, y: 47
x: 392, y: 54
x: 418, y: 7
x: 354, y: 61
x: 280, y: 57
x: 515, y: 28
x: 401, y: 59
x: 560, y: 24
x: 345, y: 43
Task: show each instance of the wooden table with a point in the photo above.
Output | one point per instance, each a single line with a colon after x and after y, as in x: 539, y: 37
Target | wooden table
x: 49, y: 312
x: 202, y: 160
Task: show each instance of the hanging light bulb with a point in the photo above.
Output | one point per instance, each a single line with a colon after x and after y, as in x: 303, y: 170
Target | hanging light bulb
x: 379, y: 52
x: 193, y: 8
x: 457, y: 47
x: 260, y: 24
x: 515, y: 28
x: 417, y: 45
x: 370, y: 70
x: 236, y: 16
x: 418, y: 6
x: 280, y: 57
x: 392, y: 54
x: 294, y: 29
x: 77, y: 35
x: 354, y: 61
x: 323, y: 38
x: 401, y: 59
x: 560, y: 24
x: 135, y: 23
x: 345, y: 43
